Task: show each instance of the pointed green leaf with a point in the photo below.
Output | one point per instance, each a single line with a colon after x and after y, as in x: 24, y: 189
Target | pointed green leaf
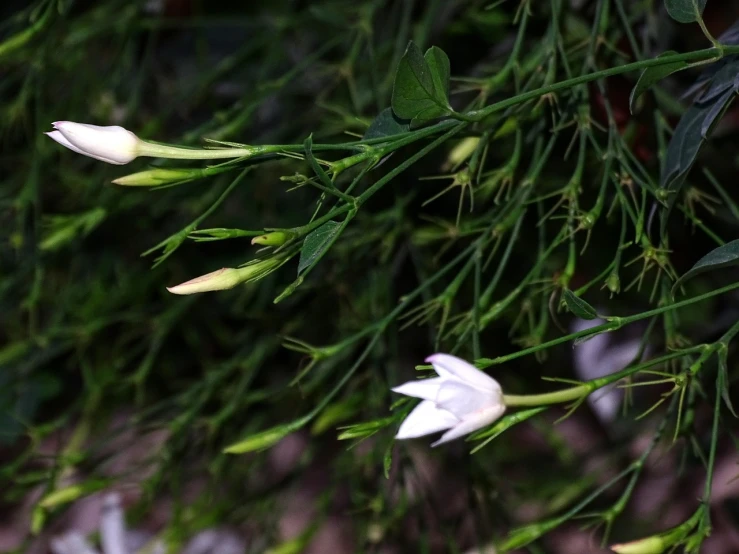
x: 724, y: 378
x: 685, y: 11
x: 688, y: 138
x: 317, y: 243
x: 420, y: 90
x: 503, y: 424
x: 265, y: 439
x: 653, y: 75
x: 387, y: 461
x: 386, y: 124
x: 578, y: 306
x: 723, y: 256
x: 724, y: 78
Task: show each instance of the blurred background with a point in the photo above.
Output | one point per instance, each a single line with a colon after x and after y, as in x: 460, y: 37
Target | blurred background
x: 117, y: 398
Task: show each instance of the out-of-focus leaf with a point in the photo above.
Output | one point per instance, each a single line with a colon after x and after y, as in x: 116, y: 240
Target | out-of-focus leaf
x: 265, y: 439
x: 685, y: 11
x: 723, y: 256
x: 687, y: 140
x: 503, y: 424
x: 725, y: 78
x: 62, y: 229
x: 386, y: 124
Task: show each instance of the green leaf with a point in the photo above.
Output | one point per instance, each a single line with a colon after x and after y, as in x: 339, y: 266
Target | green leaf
x: 652, y: 75
x: 386, y: 124
x: 365, y: 429
x: 387, y: 460
x: 72, y: 493
x: 724, y: 377
x: 688, y: 138
x: 578, y: 306
x: 724, y: 78
x: 62, y: 229
x: 503, y: 424
x: 421, y: 87
x: 685, y: 11
x: 265, y: 439
x: 438, y: 63
x: 317, y: 243
x: 335, y: 413
x: 723, y: 256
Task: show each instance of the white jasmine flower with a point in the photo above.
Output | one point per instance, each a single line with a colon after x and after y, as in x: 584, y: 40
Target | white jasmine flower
x: 119, y: 146
x: 462, y: 399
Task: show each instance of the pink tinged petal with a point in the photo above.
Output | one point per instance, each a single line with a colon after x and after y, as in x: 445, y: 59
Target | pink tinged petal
x: 57, y: 136
x: 471, y: 423
x: 462, y: 399
x: 425, y: 419
x: 452, y: 367
x: 427, y: 389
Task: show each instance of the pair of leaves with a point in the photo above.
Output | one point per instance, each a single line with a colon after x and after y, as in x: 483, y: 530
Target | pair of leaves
x: 421, y: 87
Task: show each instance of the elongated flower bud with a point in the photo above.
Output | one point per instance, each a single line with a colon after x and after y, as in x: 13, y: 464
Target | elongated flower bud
x: 228, y: 277
x: 114, y: 144
x: 275, y: 238
x: 221, y: 279
x: 649, y: 545
x: 119, y: 146
x: 156, y: 177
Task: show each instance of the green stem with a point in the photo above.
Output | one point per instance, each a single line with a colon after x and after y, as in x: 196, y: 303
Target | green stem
x: 698, y: 55
x: 612, y: 324
x: 579, y: 391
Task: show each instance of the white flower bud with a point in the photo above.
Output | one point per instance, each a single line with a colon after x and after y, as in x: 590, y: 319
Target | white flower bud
x: 221, y: 279
x: 229, y: 277
x: 113, y: 144
x: 119, y: 146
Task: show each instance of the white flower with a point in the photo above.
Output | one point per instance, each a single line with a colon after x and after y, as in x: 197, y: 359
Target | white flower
x: 461, y: 399
x: 113, y: 144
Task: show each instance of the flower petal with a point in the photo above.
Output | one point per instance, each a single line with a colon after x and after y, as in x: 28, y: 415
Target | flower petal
x: 112, y: 144
x: 450, y: 366
x: 425, y: 419
x: 462, y: 399
x: 427, y: 389
x: 61, y: 139
x: 475, y: 421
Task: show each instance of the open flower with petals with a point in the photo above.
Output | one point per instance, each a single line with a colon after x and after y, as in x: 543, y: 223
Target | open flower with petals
x: 462, y: 399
